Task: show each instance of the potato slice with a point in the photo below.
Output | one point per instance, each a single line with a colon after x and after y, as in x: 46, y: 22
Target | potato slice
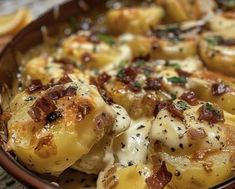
x: 134, y: 20
x: 49, y: 136
x: 218, y: 53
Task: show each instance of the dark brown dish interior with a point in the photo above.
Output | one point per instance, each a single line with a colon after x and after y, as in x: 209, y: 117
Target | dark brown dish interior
x: 25, y: 40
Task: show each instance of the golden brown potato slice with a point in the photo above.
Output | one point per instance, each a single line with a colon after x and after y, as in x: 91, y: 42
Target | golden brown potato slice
x: 218, y: 53
x: 134, y: 20
x: 51, y: 129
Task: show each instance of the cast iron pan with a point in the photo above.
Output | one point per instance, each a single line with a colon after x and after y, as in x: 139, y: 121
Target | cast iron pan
x: 25, y: 40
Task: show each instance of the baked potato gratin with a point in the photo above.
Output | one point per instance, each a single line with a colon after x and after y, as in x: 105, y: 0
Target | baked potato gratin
x: 148, y: 102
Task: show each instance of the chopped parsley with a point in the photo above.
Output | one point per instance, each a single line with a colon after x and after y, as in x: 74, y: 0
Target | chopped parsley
x: 106, y: 39
x: 212, y: 40
x: 182, y: 105
x: 121, y: 73
x: 177, y: 80
x: 210, y: 108
x: 175, y: 65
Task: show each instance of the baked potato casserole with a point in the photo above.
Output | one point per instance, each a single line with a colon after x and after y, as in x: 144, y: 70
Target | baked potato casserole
x: 146, y: 102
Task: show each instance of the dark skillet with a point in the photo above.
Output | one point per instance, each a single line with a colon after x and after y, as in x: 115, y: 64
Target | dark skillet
x: 25, y: 40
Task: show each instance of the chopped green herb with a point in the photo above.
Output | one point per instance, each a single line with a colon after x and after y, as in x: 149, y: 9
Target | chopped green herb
x: 176, y: 66
x: 122, y: 63
x: 229, y: 3
x: 173, y: 96
x: 106, y: 39
x: 182, y: 105
x: 121, y: 73
x: 136, y: 84
x: 181, y: 80
x: 212, y: 40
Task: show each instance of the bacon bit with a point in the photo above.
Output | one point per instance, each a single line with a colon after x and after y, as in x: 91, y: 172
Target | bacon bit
x: 176, y: 111
x: 86, y: 57
x: 65, y: 79
x: 102, y: 79
x: 104, y: 120
x: 84, y: 108
x: 160, y: 105
x: 153, y: 84
x: 134, y: 86
x: 56, y: 92
x: 36, y: 85
x: 183, y: 73
x: 159, y: 179
x: 41, y: 108
x: 196, y: 134
x: 127, y: 75
x: 218, y: 89
x: 210, y: 114
x: 189, y: 97
x: 70, y: 91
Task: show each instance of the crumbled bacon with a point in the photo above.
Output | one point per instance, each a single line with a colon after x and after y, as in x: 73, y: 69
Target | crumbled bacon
x: 218, y: 89
x: 70, y: 91
x: 36, y: 85
x: 196, y: 134
x: 65, y: 79
x: 86, y: 57
x: 189, y: 97
x: 176, y: 111
x: 153, y: 84
x: 160, y: 178
x: 183, y: 73
x: 104, y: 120
x: 83, y: 109
x: 127, y: 75
x: 56, y: 92
x: 210, y: 114
x: 160, y: 105
x: 102, y: 79
x: 41, y: 108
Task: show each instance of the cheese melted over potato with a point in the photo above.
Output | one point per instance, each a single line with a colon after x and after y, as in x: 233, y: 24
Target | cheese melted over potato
x: 147, y: 101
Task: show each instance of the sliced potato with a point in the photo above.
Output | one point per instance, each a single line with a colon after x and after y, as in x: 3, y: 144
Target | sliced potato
x: 217, y: 53
x: 134, y: 20
x: 54, y: 142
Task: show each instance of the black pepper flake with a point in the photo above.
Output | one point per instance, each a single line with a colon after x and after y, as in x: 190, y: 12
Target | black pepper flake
x: 177, y: 173
x: 123, y: 145
x: 181, y: 145
x: 130, y: 163
x: 173, y: 149
x: 141, y: 127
